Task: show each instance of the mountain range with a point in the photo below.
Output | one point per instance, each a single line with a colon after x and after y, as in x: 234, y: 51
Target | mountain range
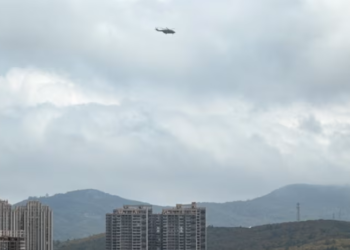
x: 79, y: 214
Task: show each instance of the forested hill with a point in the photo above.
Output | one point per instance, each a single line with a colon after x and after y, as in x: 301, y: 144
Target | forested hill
x: 79, y: 214
x: 311, y: 235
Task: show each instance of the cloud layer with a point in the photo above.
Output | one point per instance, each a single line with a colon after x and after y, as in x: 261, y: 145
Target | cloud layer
x: 247, y: 96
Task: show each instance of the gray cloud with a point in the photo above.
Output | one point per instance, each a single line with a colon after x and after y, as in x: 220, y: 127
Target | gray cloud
x: 182, y: 153
x: 311, y: 124
x: 92, y: 97
x: 268, y: 51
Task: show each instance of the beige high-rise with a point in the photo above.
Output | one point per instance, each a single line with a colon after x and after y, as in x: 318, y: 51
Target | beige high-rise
x: 5, y: 215
x: 33, y: 220
x: 9, y: 239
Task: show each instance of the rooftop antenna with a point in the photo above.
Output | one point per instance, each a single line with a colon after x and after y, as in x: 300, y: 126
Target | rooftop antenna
x: 298, y: 212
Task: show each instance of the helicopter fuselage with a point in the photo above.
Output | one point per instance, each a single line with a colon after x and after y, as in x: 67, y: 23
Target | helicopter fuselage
x: 166, y: 31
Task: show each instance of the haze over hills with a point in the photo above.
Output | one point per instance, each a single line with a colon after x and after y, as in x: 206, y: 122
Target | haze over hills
x: 79, y: 214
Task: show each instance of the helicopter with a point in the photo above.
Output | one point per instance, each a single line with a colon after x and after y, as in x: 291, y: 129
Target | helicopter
x: 166, y: 31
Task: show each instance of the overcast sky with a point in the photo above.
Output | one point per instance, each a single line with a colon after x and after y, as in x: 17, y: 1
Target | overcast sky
x: 246, y: 97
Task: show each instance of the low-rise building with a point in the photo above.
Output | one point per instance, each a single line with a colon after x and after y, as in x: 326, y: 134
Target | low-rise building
x: 12, y: 240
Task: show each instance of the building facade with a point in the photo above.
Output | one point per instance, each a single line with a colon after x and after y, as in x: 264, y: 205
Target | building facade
x: 12, y: 240
x: 184, y: 227
x: 137, y: 228
x: 33, y: 221
x: 127, y: 228
x: 5, y: 216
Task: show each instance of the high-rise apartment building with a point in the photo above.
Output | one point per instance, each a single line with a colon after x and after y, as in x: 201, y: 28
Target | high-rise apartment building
x: 33, y: 221
x: 184, y: 227
x: 127, y: 228
x: 137, y: 228
x: 5, y: 215
x: 155, y: 232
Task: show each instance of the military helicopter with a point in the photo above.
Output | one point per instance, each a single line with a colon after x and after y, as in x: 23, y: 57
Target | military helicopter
x: 166, y: 31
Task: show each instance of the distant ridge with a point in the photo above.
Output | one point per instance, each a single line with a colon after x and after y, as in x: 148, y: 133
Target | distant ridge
x: 81, y: 213
x: 316, y: 202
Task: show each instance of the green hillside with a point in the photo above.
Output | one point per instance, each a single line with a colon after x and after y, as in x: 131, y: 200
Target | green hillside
x: 79, y: 214
x: 308, y: 235
x: 95, y: 242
